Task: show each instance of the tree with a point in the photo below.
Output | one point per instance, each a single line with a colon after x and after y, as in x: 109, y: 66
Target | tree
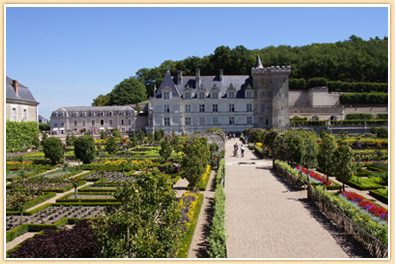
x: 165, y: 149
x: 343, y: 169
x: 129, y: 91
x: 146, y: 224
x: 53, y: 150
x: 101, y: 100
x: 111, y: 146
x: 44, y: 127
x: 195, y: 161
x: 159, y: 134
x: 115, y: 133
x: 85, y: 149
x: 326, y: 154
x: 70, y: 140
x: 309, y: 158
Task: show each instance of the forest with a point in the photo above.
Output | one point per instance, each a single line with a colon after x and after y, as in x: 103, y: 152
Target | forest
x: 351, y: 60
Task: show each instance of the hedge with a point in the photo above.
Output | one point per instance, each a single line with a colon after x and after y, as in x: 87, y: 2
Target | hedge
x: 317, y: 82
x: 297, y: 84
x: 21, y: 136
x: 292, y: 176
x: 203, y: 181
x: 357, y: 87
x: 379, y: 195
x: 370, y: 155
x: 35, y: 201
x: 217, y: 236
x: 359, y: 116
x: 185, y: 241
x: 364, y: 98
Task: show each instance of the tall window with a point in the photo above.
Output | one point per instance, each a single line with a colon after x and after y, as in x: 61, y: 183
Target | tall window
x: 215, y: 108
x: 249, y: 107
x: 75, y: 123
x: 93, y: 122
x: 231, y: 107
x: 202, y: 95
x: 166, y: 95
x: 267, y: 122
x: 214, y: 95
x: 215, y: 120
x: 187, y: 121
x: 110, y: 122
x: 187, y: 108
x: 231, y: 94
x: 24, y: 114
x: 249, y: 94
x: 202, y: 121
x: 201, y: 108
x: 102, y: 122
x: 187, y: 95
x: 167, y: 108
x: 129, y: 122
x: 249, y: 120
x: 122, y: 122
x: 231, y: 120
x: 13, y: 114
x: 167, y: 121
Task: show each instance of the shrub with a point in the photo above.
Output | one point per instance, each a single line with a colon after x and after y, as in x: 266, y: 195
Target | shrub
x: 54, y: 150
x: 317, y: 82
x: 382, y: 116
x: 203, y: 181
x: 357, y: 87
x: 364, y: 98
x: 297, y: 84
x: 21, y: 136
x: 111, y: 145
x: 359, y: 116
x: 84, y: 149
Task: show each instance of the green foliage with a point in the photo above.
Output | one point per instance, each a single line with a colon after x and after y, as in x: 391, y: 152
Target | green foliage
x: 326, y: 153
x: 159, y: 134
x: 115, y: 133
x: 165, y: 149
x: 343, y: 168
x: 364, y: 98
x: 217, y: 236
x: 70, y: 140
x: 129, y: 91
x: 309, y: 157
x: 382, y: 116
x: 359, y: 117
x: 111, y: 146
x: 294, y: 177
x: 21, y: 136
x: 85, y: 149
x: 101, y: 100
x: 145, y: 225
x: 357, y: 87
x: 195, y: 161
x: 317, y: 82
x: 53, y: 150
x: 297, y: 84
x: 44, y: 126
x: 381, y: 132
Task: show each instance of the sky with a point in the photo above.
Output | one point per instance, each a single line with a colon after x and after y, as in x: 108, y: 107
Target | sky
x: 69, y: 55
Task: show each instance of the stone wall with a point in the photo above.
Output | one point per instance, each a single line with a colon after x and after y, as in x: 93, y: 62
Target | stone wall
x: 23, y: 112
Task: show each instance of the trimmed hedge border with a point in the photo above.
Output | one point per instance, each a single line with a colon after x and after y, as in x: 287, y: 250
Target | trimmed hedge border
x: 378, y: 196
x: 217, y: 236
x: 34, y: 202
x: 185, y: 241
x: 292, y: 176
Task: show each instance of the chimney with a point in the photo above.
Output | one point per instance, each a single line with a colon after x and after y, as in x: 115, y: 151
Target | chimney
x: 15, y: 85
x: 197, y: 80
x: 179, y: 77
x: 221, y: 73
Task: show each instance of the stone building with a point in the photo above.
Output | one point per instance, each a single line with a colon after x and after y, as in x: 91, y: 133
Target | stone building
x: 76, y: 119
x: 20, y: 103
x: 230, y: 102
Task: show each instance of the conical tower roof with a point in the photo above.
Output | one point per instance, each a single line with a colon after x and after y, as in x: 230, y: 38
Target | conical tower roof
x: 258, y: 63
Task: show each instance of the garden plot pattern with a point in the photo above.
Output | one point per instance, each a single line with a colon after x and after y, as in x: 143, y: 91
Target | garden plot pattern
x: 53, y: 214
x: 263, y: 219
x: 109, y: 176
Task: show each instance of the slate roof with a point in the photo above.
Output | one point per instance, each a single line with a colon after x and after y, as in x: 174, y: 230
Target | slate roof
x: 240, y: 82
x: 94, y: 108
x: 24, y: 95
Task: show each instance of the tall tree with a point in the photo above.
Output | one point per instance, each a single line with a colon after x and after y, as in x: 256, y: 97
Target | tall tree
x: 129, y: 91
x: 326, y: 154
x: 343, y: 169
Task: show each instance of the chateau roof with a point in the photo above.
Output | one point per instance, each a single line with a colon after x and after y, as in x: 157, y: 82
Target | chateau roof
x: 24, y: 95
x: 94, y: 108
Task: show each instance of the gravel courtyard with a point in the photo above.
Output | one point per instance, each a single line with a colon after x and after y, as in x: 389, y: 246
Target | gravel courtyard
x: 263, y: 219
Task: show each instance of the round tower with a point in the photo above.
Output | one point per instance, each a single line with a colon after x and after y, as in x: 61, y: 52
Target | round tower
x: 270, y: 95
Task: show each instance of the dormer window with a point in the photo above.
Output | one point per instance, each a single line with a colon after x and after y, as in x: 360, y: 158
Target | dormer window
x: 231, y: 94
x: 101, y: 114
x: 188, y: 95
x: 109, y: 114
x: 201, y: 95
x: 214, y: 95
x: 166, y: 95
x: 249, y: 94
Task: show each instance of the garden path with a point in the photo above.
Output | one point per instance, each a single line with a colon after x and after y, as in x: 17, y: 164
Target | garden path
x: 263, y: 219
x: 198, y: 247
x: 180, y: 187
x: 58, y: 195
x: 18, y: 240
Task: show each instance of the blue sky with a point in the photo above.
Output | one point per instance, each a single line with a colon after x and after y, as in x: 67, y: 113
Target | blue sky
x: 68, y: 56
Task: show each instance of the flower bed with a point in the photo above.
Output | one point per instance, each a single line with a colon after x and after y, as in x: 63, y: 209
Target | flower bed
x: 294, y: 177
x: 203, y: 181
x: 318, y: 178
x: 190, y: 204
x: 377, y: 211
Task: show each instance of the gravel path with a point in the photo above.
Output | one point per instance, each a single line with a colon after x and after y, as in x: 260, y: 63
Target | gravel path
x: 263, y: 219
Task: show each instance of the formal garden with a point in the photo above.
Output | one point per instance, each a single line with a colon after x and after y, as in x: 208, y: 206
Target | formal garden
x: 115, y: 189
x: 325, y: 164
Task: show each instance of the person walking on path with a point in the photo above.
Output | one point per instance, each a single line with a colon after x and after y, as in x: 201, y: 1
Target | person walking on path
x: 242, y: 148
x: 235, y: 149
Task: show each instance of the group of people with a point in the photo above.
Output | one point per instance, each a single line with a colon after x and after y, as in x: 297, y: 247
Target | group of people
x: 236, y: 149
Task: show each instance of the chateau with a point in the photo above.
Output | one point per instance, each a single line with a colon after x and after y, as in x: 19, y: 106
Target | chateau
x: 185, y: 104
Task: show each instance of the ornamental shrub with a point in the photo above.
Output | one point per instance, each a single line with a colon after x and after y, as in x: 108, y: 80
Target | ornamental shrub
x: 54, y: 150
x: 357, y: 87
x: 85, y: 149
x: 364, y: 98
x: 297, y: 84
x: 21, y: 136
x: 111, y: 145
x: 317, y: 82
